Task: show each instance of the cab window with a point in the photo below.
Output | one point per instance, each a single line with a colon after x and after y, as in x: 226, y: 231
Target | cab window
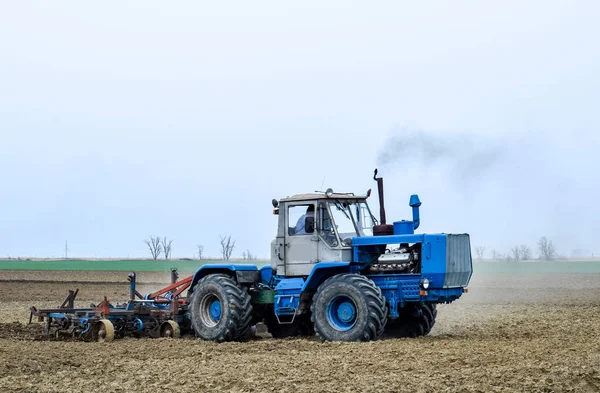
x: 301, y: 219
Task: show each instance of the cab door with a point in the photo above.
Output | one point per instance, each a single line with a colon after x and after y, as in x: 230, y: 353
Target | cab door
x: 301, y: 239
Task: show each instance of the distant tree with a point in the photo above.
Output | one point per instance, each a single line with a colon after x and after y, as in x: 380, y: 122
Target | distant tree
x: 154, y: 246
x: 546, y: 249
x: 200, y: 251
x: 494, y: 255
x: 480, y: 251
x: 515, y: 253
x: 525, y: 252
x: 166, y: 246
x: 227, y: 246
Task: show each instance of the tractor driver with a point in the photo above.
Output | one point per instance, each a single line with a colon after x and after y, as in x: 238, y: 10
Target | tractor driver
x: 300, y: 225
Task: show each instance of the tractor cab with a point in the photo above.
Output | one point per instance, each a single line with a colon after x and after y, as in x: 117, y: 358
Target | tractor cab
x: 318, y: 227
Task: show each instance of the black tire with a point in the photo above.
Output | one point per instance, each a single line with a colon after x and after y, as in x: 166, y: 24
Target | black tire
x: 414, y: 321
x: 367, y: 314
x: 433, y: 309
x: 235, y: 309
x: 428, y: 315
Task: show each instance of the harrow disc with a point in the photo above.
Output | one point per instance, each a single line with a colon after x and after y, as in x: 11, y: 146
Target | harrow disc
x: 104, y: 331
x: 170, y: 329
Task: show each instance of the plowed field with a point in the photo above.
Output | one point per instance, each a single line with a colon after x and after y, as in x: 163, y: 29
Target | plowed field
x: 532, y: 333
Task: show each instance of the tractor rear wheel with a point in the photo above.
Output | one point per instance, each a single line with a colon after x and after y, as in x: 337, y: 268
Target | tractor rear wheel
x: 220, y: 309
x: 414, y: 321
x: 349, y: 307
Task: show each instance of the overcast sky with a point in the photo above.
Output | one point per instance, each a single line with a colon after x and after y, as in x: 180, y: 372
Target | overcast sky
x: 133, y: 119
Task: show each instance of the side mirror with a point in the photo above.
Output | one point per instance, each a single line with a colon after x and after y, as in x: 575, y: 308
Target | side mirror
x: 309, y: 224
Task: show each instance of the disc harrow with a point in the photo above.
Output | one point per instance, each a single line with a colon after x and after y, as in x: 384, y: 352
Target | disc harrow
x: 158, y: 314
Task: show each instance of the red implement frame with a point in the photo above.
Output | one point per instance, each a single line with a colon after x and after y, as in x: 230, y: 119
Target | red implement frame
x: 180, y: 286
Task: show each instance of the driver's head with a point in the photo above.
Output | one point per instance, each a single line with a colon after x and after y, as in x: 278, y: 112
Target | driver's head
x: 310, y: 209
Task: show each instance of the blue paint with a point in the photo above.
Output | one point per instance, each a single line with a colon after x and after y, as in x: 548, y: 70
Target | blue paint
x: 404, y: 228
x: 287, y: 295
x: 131, y: 305
x: 85, y: 324
x: 433, y: 264
x: 215, y: 310
x: 266, y: 275
x: 390, y: 239
x: 415, y: 203
x: 289, y: 284
x: 342, y: 313
x: 399, y: 289
x: 138, y: 325
x: 324, y: 270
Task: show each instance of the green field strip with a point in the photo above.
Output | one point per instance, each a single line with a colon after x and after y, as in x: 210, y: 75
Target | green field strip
x: 116, y: 265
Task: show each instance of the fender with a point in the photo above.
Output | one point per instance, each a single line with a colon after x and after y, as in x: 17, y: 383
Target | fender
x: 244, y: 274
x: 322, y: 271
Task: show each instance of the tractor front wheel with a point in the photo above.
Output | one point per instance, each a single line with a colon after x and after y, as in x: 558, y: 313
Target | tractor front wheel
x: 349, y: 307
x: 220, y: 309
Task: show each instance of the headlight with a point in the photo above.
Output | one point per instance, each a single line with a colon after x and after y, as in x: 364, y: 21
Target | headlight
x: 424, y: 283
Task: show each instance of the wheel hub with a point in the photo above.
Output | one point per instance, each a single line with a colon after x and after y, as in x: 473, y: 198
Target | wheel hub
x: 346, y: 312
x: 215, y: 310
x: 342, y: 313
x: 210, y: 310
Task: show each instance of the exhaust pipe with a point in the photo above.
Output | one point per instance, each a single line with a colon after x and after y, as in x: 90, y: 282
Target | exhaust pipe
x: 415, y: 203
x: 379, y: 181
x: 383, y: 228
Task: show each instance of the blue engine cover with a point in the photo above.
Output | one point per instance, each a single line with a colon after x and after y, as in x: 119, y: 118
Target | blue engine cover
x: 445, y: 258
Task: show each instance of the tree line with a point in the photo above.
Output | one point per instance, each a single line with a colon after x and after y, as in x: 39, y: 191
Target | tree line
x: 161, y: 247
x: 545, y: 251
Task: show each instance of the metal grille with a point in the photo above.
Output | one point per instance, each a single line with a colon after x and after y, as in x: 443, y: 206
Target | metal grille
x: 458, y: 261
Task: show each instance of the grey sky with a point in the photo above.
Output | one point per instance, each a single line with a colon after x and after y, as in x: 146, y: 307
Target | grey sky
x: 141, y: 118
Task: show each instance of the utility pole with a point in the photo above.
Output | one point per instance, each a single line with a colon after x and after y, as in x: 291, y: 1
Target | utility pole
x: 66, y: 250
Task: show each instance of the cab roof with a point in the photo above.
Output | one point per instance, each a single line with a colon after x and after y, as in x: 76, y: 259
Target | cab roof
x: 313, y: 196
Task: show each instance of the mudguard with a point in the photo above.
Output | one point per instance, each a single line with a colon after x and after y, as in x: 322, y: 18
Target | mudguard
x: 244, y: 274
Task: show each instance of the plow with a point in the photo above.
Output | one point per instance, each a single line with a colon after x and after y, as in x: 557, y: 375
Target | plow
x: 162, y: 313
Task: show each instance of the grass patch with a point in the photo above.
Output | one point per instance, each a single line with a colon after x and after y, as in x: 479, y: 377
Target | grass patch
x: 142, y: 265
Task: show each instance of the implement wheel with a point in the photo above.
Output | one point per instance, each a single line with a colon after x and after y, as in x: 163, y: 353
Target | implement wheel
x: 349, y: 307
x: 104, y: 331
x: 220, y: 309
x: 170, y: 329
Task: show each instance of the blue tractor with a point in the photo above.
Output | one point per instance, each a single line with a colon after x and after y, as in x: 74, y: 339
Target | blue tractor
x: 335, y: 271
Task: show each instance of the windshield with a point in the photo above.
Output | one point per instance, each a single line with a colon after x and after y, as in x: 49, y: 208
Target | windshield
x: 342, y: 217
x: 351, y: 219
x: 364, y: 218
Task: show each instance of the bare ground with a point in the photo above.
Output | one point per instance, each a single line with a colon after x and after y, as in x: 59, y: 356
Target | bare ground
x: 532, y: 334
